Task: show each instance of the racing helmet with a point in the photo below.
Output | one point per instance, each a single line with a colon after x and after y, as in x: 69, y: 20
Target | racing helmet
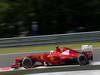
x: 57, y: 49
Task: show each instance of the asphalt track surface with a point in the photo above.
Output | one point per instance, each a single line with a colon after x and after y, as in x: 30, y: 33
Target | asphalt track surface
x: 87, y: 72
x: 7, y: 59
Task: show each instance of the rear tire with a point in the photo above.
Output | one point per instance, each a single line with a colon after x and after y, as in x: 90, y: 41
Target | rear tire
x: 82, y: 60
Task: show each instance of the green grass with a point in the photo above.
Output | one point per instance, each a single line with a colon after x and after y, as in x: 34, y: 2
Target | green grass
x: 43, y: 48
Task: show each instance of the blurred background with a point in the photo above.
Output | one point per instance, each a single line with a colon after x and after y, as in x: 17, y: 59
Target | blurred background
x: 44, y: 17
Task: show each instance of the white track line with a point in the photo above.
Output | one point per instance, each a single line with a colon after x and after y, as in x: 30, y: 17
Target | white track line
x: 11, y: 69
x: 95, y: 63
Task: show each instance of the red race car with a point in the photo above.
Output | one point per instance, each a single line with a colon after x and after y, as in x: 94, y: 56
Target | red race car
x: 59, y: 56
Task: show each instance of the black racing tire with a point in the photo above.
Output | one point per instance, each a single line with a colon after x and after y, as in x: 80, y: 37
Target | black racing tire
x: 82, y: 60
x: 27, y: 62
x: 91, y: 58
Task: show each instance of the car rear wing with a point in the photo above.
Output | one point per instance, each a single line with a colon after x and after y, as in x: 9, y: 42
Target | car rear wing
x: 87, y: 48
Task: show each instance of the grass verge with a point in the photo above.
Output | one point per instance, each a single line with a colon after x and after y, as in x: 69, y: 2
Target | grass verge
x: 43, y: 48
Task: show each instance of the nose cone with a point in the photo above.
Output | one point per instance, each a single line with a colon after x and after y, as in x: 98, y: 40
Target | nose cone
x: 19, y: 59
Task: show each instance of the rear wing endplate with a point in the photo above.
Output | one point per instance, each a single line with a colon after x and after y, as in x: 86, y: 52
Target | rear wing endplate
x: 86, y: 48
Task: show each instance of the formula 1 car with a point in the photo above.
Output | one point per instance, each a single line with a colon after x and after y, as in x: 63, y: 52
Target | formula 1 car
x: 65, y: 56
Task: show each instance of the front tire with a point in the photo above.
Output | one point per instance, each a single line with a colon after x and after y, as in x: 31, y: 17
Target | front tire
x: 27, y: 62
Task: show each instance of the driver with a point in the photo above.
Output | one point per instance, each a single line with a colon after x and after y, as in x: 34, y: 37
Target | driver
x: 56, y: 52
x: 57, y: 49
